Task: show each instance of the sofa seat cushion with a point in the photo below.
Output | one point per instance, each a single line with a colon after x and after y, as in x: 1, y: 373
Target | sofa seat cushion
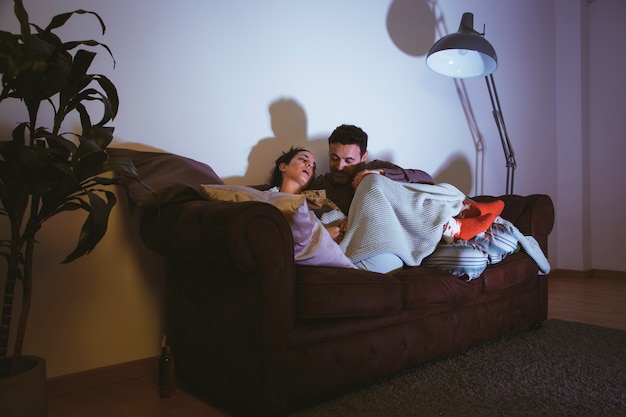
x: 342, y: 293
x: 429, y: 286
x: 514, y: 271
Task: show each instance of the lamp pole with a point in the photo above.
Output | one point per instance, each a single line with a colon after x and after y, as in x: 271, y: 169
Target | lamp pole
x: 509, y: 154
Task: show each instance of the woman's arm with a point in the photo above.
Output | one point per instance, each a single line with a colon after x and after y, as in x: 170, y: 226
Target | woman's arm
x: 335, y: 223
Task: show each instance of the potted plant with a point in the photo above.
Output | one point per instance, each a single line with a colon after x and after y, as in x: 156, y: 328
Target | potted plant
x: 43, y: 170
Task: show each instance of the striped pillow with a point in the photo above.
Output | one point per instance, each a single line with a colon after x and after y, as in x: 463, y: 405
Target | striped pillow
x: 469, y: 258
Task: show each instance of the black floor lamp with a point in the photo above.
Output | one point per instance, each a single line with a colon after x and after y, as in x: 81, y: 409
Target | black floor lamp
x: 467, y: 54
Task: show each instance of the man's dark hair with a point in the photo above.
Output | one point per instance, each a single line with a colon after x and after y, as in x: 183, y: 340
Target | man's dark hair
x: 349, y: 135
x: 286, y: 157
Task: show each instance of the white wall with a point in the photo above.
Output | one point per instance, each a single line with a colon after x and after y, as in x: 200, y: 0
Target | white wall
x: 590, y: 135
x: 231, y: 83
x: 572, y: 98
x: 607, y: 120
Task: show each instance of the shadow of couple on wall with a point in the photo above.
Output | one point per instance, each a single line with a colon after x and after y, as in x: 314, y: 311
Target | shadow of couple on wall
x: 289, y: 124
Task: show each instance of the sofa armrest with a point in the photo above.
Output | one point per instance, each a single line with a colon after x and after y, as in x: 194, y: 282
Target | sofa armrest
x: 230, y: 294
x: 532, y: 214
x: 218, y: 233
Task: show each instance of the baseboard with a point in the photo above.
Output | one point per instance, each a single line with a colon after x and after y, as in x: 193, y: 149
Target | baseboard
x: 591, y: 273
x: 94, y: 378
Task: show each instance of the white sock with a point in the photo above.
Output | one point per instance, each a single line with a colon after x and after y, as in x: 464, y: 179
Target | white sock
x: 450, y: 229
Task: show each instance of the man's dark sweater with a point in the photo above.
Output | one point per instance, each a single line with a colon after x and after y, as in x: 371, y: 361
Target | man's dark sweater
x: 342, y: 194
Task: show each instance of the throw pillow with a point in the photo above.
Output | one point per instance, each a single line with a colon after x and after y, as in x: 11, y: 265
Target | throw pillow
x: 285, y: 202
x: 171, y: 177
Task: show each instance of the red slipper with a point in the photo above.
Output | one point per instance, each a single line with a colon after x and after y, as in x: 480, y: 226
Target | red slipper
x: 477, y: 218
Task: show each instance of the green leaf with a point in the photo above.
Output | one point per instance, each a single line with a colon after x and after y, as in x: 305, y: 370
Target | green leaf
x: 40, y: 70
x: 68, y: 46
x: 95, y: 226
x: 88, y: 160
x: 22, y: 17
x: 18, y: 134
x: 101, y: 135
x: 89, y: 94
x: 60, y: 147
x: 110, y: 92
x: 59, y: 20
x: 82, y: 62
x: 71, y: 206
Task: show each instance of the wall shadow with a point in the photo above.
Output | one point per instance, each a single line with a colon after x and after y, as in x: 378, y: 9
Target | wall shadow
x: 289, y: 124
x: 412, y: 25
x: 455, y: 170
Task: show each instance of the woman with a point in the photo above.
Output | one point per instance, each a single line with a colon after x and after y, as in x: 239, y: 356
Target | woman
x: 293, y: 171
x: 314, y: 243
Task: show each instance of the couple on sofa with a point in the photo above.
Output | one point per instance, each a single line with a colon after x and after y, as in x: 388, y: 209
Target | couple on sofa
x: 384, y: 217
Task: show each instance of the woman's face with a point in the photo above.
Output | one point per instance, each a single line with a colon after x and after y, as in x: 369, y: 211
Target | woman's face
x: 300, y: 170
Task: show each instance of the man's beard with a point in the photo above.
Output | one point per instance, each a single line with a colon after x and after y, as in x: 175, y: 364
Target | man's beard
x: 346, y: 175
x: 341, y: 177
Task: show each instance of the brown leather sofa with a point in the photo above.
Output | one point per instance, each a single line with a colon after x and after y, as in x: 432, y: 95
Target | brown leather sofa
x: 258, y: 335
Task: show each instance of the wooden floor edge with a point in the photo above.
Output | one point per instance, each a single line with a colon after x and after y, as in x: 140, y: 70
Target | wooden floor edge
x: 94, y: 378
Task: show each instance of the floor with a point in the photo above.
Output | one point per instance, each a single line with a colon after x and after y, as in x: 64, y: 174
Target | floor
x: 598, y: 300
x: 133, y: 398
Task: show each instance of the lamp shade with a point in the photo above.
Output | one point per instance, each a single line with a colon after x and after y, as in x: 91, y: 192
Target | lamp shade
x: 464, y: 54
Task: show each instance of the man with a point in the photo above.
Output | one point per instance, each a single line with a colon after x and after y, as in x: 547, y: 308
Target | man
x: 347, y: 162
x: 347, y: 151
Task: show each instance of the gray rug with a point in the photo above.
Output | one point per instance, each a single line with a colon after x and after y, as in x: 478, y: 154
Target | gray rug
x: 562, y: 369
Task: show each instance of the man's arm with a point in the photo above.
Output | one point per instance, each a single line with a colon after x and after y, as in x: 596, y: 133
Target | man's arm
x: 396, y: 173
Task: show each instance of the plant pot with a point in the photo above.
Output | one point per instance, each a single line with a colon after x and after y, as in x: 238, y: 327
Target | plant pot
x: 24, y: 394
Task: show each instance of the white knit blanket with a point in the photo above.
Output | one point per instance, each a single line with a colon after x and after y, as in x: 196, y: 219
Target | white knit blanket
x: 529, y: 244
x: 393, y: 217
